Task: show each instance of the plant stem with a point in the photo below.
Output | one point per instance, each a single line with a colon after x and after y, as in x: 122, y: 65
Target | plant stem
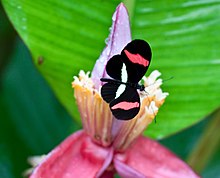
x: 207, y: 145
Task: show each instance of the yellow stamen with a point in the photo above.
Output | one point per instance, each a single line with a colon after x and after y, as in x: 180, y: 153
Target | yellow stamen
x: 98, y: 120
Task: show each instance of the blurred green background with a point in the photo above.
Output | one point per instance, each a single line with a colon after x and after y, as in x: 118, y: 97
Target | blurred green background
x: 33, y: 121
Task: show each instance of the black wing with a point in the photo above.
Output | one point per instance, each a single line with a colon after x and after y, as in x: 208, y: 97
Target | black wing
x: 108, y: 91
x: 137, y: 57
x: 114, y: 67
x: 127, y: 105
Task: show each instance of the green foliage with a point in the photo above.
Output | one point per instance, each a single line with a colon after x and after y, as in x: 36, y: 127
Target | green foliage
x: 66, y: 36
x: 31, y: 119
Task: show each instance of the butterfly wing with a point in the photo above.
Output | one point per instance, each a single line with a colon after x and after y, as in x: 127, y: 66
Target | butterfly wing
x: 127, y: 105
x: 108, y: 91
x: 116, y: 68
x: 137, y: 57
x: 113, y: 88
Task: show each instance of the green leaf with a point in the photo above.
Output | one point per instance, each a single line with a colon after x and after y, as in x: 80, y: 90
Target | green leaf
x: 31, y: 120
x: 7, y: 36
x: 5, y: 164
x: 66, y: 36
x: 187, y: 144
x: 213, y: 167
x: 185, y: 46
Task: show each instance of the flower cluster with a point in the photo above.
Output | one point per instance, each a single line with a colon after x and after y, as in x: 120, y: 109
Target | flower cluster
x: 98, y: 121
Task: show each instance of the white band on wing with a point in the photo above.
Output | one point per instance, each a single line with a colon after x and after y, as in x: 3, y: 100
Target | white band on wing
x: 120, y: 90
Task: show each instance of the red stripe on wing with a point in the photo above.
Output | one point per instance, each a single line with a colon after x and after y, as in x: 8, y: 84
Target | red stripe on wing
x: 137, y: 58
x: 126, y: 105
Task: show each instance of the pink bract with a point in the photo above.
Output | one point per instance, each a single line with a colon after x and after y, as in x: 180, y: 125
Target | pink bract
x: 77, y: 156
x: 119, y: 37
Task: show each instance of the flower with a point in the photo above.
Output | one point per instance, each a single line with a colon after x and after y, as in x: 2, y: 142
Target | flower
x: 107, y: 145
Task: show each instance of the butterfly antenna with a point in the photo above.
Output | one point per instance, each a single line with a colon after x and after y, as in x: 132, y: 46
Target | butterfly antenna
x: 163, y: 80
x: 168, y: 79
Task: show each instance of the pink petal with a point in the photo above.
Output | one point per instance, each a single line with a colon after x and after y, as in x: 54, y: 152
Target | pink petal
x: 77, y: 156
x: 150, y: 159
x: 102, y: 172
x: 125, y: 171
x: 119, y: 37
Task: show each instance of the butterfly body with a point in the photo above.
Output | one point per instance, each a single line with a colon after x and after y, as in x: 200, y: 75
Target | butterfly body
x: 126, y: 70
x: 134, y: 85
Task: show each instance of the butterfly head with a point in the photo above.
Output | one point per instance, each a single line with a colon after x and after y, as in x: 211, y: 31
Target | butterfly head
x: 141, y: 87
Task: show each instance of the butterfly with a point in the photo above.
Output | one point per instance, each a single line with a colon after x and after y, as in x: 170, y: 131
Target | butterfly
x: 126, y: 70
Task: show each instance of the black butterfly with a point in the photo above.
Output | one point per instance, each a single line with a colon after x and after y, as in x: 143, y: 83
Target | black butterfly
x: 126, y: 70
